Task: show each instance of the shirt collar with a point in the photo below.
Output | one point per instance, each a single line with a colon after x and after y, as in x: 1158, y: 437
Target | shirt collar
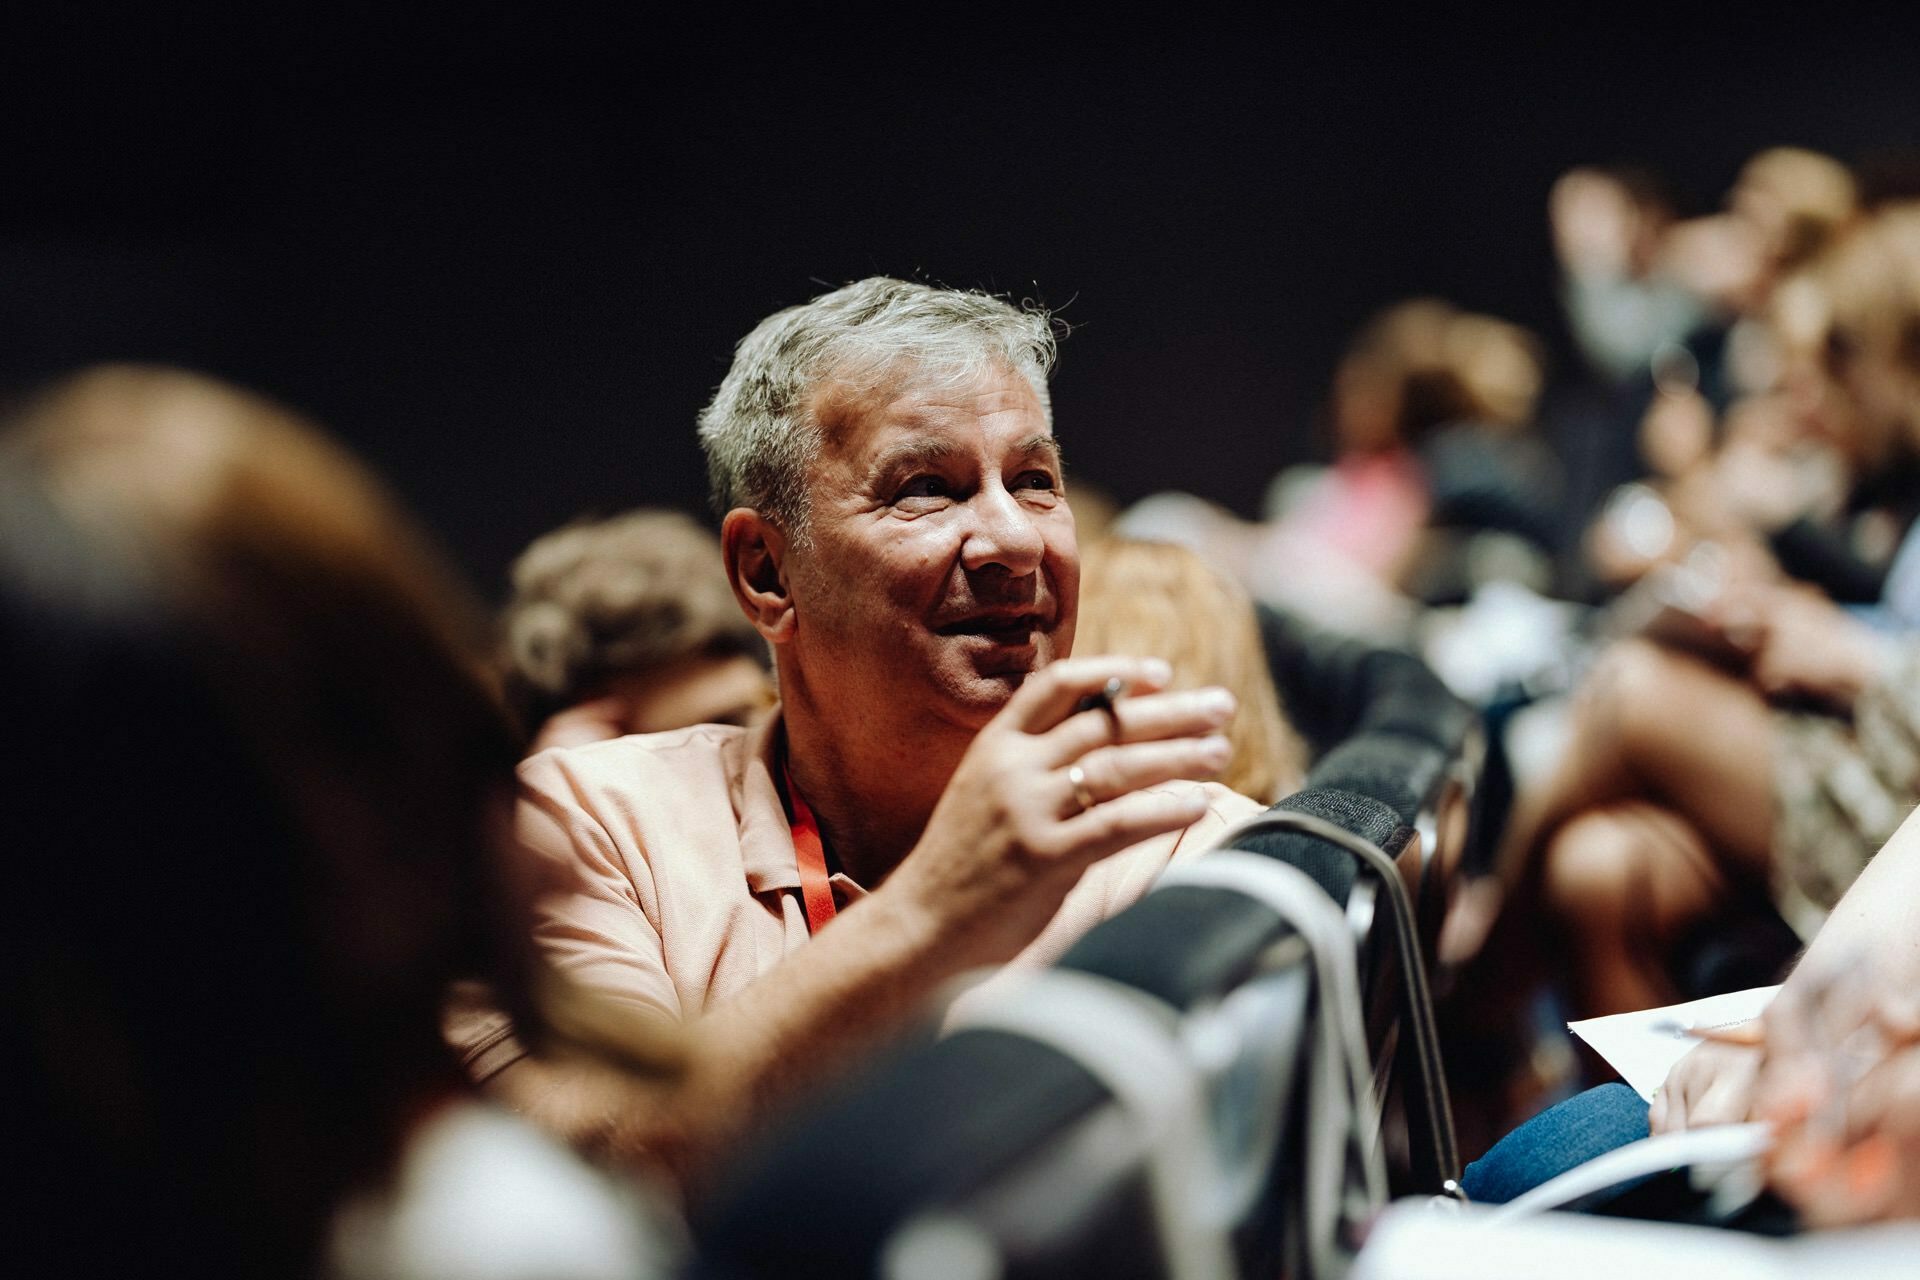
x: 766, y: 837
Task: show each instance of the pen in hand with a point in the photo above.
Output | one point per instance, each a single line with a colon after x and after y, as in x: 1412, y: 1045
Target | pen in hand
x: 1740, y: 1033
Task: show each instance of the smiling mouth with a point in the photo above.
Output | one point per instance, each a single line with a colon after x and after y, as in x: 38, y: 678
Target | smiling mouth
x: 1002, y: 630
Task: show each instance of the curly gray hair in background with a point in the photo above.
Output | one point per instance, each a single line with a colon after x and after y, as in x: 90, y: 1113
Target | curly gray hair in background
x: 599, y: 599
x: 758, y: 431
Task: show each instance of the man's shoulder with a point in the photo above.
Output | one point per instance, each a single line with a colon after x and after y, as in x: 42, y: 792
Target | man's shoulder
x: 639, y: 758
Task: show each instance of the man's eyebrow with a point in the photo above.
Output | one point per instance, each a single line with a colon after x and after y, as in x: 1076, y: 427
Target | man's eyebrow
x: 1041, y: 444
x: 913, y: 453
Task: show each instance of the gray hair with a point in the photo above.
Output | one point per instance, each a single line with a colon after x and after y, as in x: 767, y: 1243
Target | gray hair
x: 758, y: 431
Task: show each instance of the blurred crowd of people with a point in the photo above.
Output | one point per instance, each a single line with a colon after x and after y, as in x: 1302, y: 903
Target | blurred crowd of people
x: 293, y: 989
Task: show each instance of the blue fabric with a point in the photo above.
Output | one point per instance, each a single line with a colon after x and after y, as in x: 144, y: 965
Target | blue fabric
x: 1572, y: 1133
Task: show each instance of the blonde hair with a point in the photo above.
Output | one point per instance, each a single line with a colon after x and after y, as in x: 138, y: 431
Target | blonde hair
x: 1155, y: 599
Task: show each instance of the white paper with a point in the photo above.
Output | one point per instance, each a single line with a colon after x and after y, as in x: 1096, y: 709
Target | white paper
x: 1643, y: 1046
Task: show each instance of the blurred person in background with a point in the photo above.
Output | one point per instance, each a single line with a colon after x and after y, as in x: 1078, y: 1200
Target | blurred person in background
x: 1624, y: 307
x: 257, y: 805
x: 1787, y: 205
x: 1156, y: 599
x: 1609, y: 224
x: 627, y: 625
x: 1494, y: 484
x: 1687, y: 785
x: 1429, y: 410
x: 1670, y: 312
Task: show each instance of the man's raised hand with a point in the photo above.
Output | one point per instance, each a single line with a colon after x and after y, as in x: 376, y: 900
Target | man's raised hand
x: 1046, y: 790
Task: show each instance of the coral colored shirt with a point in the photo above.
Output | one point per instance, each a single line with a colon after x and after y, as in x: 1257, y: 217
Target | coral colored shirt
x: 671, y: 879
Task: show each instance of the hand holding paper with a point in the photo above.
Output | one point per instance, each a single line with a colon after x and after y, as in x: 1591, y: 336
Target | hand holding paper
x: 1645, y: 1047
x: 1841, y: 1088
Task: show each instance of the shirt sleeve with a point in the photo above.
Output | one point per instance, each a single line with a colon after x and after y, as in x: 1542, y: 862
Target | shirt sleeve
x: 596, y: 913
x: 590, y: 923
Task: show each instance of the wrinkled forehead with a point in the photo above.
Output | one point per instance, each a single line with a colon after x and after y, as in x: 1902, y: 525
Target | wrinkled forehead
x: 860, y: 411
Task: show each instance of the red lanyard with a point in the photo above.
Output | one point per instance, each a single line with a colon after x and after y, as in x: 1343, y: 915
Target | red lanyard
x: 811, y: 855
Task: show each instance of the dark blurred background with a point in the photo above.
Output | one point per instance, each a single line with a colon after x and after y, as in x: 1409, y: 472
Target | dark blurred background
x: 506, y: 257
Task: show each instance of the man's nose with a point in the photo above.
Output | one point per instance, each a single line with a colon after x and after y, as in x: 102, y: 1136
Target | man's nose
x: 1004, y: 534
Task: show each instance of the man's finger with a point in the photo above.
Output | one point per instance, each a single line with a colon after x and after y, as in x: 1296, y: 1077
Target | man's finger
x: 1050, y: 695
x: 1151, y: 717
x: 1140, y: 815
x: 1112, y: 772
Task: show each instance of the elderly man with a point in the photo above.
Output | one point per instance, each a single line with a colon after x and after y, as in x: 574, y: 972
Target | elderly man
x: 930, y: 797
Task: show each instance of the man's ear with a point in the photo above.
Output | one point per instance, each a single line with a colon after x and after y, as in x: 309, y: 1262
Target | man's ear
x: 756, y: 558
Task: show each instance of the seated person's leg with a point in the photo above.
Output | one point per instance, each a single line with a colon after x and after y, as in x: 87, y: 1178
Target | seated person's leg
x: 1622, y: 884
x: 1556, y: 1140
x: 1656, y: 725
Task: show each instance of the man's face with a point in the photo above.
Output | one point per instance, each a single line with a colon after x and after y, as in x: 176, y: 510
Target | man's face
x: 941, y: 568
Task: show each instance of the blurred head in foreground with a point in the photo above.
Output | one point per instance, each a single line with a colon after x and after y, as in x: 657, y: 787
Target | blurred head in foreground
x: 1155, y: 599
x: 256, y: 785
x: 627, y: 625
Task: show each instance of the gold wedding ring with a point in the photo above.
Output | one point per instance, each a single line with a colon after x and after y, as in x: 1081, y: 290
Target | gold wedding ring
x: 1078, y: 778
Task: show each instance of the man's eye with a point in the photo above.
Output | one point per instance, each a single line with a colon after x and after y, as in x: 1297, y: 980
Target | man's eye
x: 925, y: 487
x: 1041, y: 480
